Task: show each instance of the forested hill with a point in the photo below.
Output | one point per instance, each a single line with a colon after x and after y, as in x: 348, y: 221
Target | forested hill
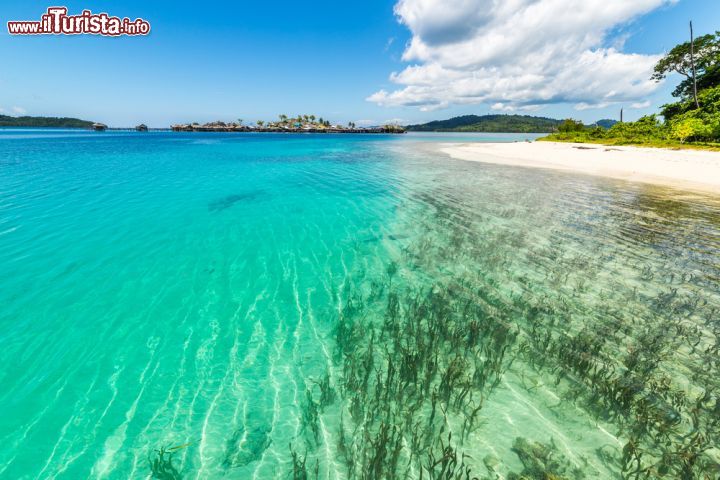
x: 37, y: 122
x: 490, y: 123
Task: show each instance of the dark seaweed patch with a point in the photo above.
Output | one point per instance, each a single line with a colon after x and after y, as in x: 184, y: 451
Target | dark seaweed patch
x: 230, y: 200
x: 244, y: 447
x: 161, y: 466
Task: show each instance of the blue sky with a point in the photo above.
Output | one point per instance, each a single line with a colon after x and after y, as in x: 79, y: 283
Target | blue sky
x: 254, y: 60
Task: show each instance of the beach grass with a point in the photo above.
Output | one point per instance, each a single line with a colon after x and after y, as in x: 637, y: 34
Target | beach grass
x: 583, y: 137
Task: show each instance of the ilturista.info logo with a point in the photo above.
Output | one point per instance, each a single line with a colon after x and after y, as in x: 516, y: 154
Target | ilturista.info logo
x: 56, y: 21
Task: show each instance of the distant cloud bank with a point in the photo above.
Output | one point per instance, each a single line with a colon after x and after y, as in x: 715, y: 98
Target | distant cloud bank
x: 519, y: 54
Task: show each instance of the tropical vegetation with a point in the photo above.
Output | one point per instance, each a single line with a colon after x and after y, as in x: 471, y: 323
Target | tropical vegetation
x: 693, y: 120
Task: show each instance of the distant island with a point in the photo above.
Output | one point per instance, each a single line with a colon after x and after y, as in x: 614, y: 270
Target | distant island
x: 285, y: 124
x: 498, y: 124
x: 299, y: 124
x: 44, y: 122
x: 490, y: 124
x: 605, y: 123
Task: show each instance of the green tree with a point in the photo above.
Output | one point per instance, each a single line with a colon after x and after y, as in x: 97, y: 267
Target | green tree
x: 570, y: 125
x: 688, y: 128
x: 708, y: 99
x: 678, y: 60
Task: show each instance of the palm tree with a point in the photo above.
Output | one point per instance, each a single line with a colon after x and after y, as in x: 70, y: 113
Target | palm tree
x: 240, y: 120
x: 260, y: 123
x: 312, y: 118
x: 283, y: 118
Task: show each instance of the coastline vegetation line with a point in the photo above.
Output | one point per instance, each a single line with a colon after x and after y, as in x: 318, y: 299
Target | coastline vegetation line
x: 693, y: 121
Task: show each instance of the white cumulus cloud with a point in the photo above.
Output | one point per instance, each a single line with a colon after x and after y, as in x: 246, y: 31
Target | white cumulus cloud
x: 19, y: 110
x: 519, y: 54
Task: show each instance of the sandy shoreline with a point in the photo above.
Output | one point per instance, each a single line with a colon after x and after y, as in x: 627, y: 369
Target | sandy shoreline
x: 689, y: 169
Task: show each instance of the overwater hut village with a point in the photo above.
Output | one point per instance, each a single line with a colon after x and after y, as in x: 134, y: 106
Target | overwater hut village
x: 299, y: 124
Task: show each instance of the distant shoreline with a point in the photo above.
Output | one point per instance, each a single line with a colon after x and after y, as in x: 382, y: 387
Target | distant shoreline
x: 687, y: 169
x: 226, y: 130
x: 237, y: 128
x: 285, y: 124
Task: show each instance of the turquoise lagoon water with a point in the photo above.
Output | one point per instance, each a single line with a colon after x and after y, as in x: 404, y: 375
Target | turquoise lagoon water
x: 286, y: 306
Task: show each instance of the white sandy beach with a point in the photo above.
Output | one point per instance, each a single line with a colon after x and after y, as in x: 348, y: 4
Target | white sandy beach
x: 691, y: 169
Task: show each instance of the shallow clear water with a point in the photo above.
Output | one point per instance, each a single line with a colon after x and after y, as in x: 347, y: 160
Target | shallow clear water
x: 261, y: 306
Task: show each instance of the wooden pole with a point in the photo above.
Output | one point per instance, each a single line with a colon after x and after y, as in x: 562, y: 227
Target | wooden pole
x: 692, y: 64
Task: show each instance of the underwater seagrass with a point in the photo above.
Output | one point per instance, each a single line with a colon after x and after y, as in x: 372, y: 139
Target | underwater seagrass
x: 643, y: 361
x: 161, y: 467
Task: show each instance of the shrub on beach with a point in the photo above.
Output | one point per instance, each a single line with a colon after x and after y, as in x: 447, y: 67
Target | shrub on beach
x: 570, y: 125
x: 688, y: 123
x: 646, y: 127
x: 688, y: 128
x: 695, y: 126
